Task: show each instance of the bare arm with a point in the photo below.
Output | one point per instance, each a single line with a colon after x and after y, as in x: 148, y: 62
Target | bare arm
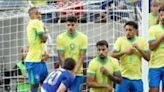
x: 45, y: 57
x: 80, y: 61
x: 62, y: 88
x: 116, y: 77
x: 145, y: 54
x: 117, y: 55
x: 93, y: 84
x: 155, y: 44
x: 61, y: 56
x: 43, y: 37
x: 60, y: 49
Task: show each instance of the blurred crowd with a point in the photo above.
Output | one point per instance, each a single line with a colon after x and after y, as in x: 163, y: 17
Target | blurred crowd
x: 105, y: 10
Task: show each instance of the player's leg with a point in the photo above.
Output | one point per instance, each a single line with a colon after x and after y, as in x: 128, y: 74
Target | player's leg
x: 44, y: 72
x: 40, y: 72
x: 137, y: 86
x: 32, y: 76
x: 162, y: 70
x: 154, y: 79
x: 124, y: 86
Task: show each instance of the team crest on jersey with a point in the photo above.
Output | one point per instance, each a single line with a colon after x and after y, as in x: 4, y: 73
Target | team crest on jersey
x: 72, y: 46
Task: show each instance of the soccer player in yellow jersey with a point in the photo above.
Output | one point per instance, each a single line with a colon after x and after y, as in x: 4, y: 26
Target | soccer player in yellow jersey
x: 156, y: 45
x: 129, y: 50
x: 153, y: 15
x: 34, y: 62
x: 73, y: 44
x: 103, y: 70
x: 37, y: 3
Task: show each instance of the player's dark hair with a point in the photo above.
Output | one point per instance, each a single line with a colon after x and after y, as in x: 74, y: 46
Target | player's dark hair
x: 31, y: 9
x: 69, y: 64
x: 102, y: 43
x: 161, y: 8
x: 71, y: 19
x: 132, y: 23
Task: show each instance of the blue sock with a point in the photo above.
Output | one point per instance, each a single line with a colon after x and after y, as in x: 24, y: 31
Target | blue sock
x: 34, y: 90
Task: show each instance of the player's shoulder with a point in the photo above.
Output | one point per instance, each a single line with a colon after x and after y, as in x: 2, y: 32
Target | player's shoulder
x: 113, y: 59
x: 35, y: 21
x: 67, y: 74
x: 61, y: 35
x: 141, y: 38
x: 154, y: 28
x: 122, y: 38
x: 82, y: 34
x: 62, y: 72
x: 93, y: 61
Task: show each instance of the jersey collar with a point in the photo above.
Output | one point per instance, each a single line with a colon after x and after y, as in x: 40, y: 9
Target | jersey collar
x: 70, y: 36
x: 132, y: 40
x: 101, y: 62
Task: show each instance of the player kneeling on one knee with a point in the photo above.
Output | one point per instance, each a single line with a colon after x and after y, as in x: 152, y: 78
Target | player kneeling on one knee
x: 60, y: 79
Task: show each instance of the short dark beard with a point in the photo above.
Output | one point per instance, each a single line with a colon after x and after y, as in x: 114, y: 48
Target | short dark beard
x: 129, y: 38
x: 102, y: 58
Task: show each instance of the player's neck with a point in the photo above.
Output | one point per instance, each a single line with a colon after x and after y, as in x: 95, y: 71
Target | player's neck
x: 131, y: 38
x: 103, y: 60
x: 72, y: 34
x: 154, y: 13
x: 71, y: 71
x: 161, y: 24
x: 34, y: 18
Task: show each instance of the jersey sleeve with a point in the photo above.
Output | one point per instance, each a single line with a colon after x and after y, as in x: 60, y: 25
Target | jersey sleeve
x: 152, y: 34
x: 84, y: 44
x: 117, y: 45
x: 34, y: 28
x: 59, y: 43
x: 116, y: 65
x: 45, y: 49
x: 32, y: 35
x: 39, y: 26
x: 91, y: 69
x: 144, y: 45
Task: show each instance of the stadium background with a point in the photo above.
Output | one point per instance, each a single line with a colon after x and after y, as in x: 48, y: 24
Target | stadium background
x: 14, y: 19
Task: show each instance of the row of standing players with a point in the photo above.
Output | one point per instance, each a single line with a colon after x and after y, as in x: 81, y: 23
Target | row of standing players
x: 122, y: 66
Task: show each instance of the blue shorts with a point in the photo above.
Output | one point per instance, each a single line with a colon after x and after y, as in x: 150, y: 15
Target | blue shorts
x: 130, y: 86
x: 37, y: 72
x: 155, y: 76
x: 76, y: 85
